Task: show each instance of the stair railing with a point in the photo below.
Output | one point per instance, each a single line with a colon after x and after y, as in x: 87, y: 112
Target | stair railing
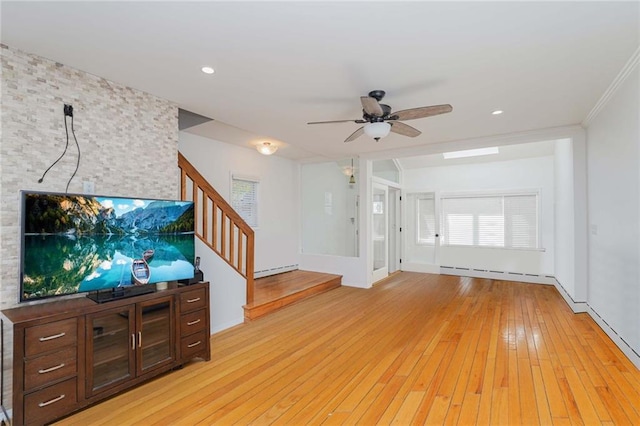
x: 217, y: 224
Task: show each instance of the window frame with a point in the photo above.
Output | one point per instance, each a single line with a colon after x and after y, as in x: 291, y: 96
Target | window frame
x: 497, y: 193
x: 256, y: 207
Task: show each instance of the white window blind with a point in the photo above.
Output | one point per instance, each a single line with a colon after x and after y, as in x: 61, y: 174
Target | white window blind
x: 426, y: 220
x: 509, y: 221
x: 244, y: 199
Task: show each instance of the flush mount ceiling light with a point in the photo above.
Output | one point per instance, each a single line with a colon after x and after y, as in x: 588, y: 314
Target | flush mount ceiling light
x: 471, y: 153
x: 208, y: 70
x: 266, y: 148
x: 497, y: 112
x: 377, y: 130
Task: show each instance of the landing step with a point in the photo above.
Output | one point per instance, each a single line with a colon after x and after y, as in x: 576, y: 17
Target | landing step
x: 277, y: 291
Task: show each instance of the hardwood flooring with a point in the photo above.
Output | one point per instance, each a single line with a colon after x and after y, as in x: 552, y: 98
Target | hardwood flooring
x: 415, y: 349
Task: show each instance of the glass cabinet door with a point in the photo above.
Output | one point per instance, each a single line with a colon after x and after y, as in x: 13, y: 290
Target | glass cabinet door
x: 156, y: 333
x: 110, y: 343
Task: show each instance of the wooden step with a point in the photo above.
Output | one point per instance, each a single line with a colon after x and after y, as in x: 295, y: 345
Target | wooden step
x: 277, y: 291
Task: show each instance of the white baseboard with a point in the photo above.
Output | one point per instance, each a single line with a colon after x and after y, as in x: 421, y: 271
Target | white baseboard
x: 576, y: 307
x: 498, y: 275
x: 584, y: 307
x: 633, y: 356
x: 420, y: 267
x: 273, y: 271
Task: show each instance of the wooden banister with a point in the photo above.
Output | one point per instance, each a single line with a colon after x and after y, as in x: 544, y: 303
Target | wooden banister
x: 217, y: 224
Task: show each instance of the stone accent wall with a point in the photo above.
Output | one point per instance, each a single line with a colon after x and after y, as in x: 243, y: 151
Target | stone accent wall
x: 128, y: 141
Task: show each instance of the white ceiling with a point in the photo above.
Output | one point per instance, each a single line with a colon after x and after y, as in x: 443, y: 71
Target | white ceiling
x: 280, y: 65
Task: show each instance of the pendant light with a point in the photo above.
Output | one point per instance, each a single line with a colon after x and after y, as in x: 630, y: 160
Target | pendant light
x: 352, y: 179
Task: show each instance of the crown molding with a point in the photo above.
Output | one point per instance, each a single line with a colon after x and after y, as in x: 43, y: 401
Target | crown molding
x: 631, y: 64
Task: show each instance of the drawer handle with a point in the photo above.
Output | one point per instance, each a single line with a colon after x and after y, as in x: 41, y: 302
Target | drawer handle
x: 55, y: 336
x: 194, y: 322
x: 49, y: 370
x: 193, y: 345
x: 193, y: 300
x: 51, y: 401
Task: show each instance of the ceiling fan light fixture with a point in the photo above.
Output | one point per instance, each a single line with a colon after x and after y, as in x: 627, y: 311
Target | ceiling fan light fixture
x: 377, y: 130
x: 266, y: 148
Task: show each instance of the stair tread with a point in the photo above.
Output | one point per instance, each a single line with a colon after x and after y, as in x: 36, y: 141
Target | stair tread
x: 276, y: 291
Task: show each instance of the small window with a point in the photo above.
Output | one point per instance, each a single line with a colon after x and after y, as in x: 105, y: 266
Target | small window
x: 244, y: 199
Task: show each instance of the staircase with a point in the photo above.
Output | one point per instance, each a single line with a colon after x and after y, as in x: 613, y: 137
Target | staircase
x: 217, y: 224
x: 223, y: 230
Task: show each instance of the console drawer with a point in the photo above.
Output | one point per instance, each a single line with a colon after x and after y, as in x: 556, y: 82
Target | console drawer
x: 193, y: 322
x: 47, y: 337
x: 193, y: 344
x: 48, y: 368
x: 50, y: 403
x: 192, y: 300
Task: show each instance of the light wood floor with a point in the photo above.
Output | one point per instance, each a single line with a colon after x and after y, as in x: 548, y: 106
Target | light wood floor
x: 415, y: 349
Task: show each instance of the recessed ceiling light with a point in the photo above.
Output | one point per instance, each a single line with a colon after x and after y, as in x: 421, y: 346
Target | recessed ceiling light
x: 497, y: 112
x: 471, y: 153
x: 208, y: 70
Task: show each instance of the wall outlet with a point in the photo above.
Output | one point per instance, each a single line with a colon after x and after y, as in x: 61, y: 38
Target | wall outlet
x: 88, y: 187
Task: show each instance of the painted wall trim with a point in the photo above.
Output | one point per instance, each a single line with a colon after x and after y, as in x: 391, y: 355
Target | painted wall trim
x: 613, y: 87
x: 420, y: 267
x: 633, y: 356
x: 274, y: 271
x: 584, y: 307
x: 576, y: 307
x: 498, y: 275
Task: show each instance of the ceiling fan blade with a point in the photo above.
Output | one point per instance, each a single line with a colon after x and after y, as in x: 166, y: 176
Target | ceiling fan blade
x: 337, y: 121
x: 355, y: 134
x: 371, y: 106
x: 404, y: 129
x: 422, y: 112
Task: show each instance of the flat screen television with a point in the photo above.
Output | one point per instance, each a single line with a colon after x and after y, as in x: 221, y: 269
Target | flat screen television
x: 75, y: 243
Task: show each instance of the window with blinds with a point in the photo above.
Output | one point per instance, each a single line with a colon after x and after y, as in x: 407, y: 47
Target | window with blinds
x: 509, y: 221
x: 244, y: 199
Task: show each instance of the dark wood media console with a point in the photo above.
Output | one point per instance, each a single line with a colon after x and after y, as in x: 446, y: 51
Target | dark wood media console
x: 72, y: 353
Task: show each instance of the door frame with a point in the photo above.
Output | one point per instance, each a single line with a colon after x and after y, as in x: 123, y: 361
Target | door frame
x: 388, y: 186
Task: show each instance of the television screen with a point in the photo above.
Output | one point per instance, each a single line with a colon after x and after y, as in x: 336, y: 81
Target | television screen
x: 83, y: 243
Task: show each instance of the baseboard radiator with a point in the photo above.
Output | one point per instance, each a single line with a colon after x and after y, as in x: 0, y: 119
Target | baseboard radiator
x: 274, y: 271
x: 498, y: 275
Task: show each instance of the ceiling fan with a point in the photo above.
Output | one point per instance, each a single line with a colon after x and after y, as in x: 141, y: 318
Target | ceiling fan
x: 378, y: 119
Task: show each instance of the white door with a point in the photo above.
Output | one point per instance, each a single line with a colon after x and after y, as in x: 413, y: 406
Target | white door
x: 380, y: 232
x: 421, y: 239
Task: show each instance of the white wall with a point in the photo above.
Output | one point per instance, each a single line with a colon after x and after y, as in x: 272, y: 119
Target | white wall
x: 570, y: 220
x: 328, y: 207
x: 277, y: 234
x: 227, y: 289
x: 530, y: 173
x: 355, y: 271
x: 613, y: 152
